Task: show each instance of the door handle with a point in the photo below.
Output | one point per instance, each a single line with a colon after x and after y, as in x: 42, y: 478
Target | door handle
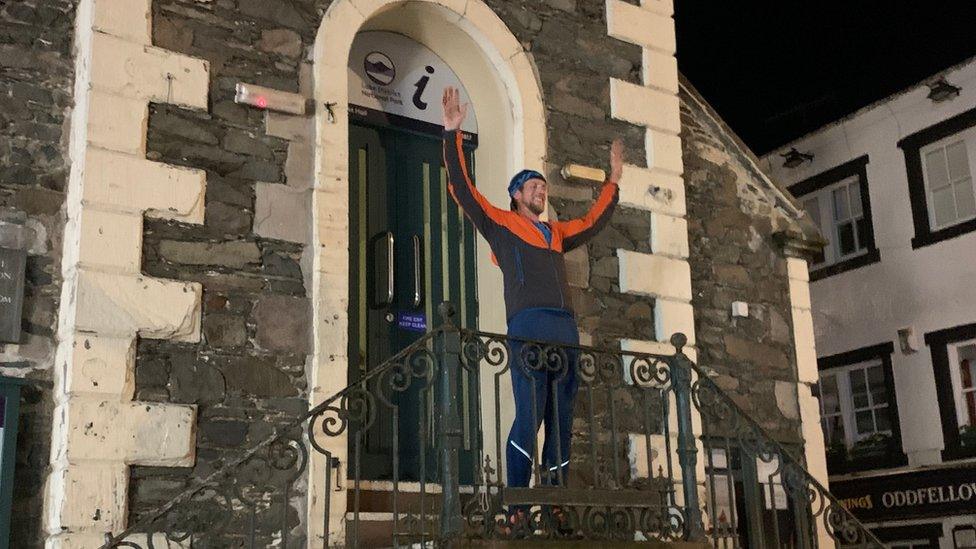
x: 416, y: 271
x: 390, y: 268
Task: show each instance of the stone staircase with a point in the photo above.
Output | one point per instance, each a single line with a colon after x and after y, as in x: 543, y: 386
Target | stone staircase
x: 687, y: 488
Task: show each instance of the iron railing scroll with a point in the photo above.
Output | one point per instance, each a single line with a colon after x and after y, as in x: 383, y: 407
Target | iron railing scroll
x: 759, y: 495
x: 427, y: 459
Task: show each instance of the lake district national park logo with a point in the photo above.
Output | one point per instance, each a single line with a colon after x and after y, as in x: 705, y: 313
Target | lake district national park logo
x: 379, y: 68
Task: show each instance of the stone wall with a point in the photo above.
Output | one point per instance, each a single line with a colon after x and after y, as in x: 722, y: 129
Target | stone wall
x: 576, y: 60
x: 732, y: 216
x: 36, y: 76
x: 247, y: 373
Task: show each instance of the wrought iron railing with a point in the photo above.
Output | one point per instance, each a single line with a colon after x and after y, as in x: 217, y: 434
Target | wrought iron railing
x: 426, y: 439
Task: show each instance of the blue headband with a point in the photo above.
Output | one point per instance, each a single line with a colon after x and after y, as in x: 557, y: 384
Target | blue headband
x: 520, y: 178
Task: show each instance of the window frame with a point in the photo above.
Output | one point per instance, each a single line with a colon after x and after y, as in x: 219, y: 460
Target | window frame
x: 959, y: 392
x: 847, y: 361
x: 821, y: 187
x: 939, y: 343
x: 968, y: 140
x: 848, y: 409
x: 912, y: 147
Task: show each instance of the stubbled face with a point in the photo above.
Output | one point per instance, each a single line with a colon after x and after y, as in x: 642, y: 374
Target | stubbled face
x: 533, y: 196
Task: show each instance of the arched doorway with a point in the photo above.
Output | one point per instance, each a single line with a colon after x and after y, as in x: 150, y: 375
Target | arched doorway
x: 501, y: 80
x: 411, y: 247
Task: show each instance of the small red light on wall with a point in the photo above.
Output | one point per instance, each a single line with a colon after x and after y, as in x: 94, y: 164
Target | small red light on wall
x: 261, y: 102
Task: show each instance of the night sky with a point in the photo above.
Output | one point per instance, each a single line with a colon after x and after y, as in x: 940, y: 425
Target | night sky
x: 776, y: 70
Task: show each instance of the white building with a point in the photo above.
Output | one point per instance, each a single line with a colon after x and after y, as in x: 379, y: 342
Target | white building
x: 894, y: 301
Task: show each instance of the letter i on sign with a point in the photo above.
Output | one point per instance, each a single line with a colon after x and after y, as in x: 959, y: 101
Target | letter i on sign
x: 421, y: 86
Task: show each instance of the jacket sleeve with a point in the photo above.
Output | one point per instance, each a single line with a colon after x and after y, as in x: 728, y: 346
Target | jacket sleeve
x: 482, y: 213
x: 577, y: 232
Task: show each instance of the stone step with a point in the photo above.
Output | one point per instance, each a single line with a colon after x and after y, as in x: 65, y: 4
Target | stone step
x: 377, y: 497
x: 375, y: 531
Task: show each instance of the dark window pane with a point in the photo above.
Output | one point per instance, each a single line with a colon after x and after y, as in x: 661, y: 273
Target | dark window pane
x: 845, y: 234
x: 881, y: 417
x: 842, y: 209
x: 829, y: 397
x: 855, y: 190
x: 858, y: 384
x: 863, y: 227
x: 812, y: 207
x: 876, y: 381
x: 835, y: 430
x: 819, y: 257
x: 864, y: 422
x: 971, y: 407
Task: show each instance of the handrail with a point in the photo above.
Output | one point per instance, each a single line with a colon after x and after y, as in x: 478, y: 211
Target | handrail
x: 208, y: 481
x: 847, y: 528
x: 664, y: 377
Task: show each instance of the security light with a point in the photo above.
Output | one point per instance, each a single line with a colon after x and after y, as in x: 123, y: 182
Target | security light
x: 940, y: 90
x: 794, y: 158
x: 269, y: 99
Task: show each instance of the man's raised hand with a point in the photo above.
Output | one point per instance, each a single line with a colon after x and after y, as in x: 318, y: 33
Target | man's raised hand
x: 616, y: 160
x: 454, y: 111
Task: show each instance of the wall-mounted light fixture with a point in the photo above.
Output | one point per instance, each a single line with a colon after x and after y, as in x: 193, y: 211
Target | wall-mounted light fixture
x: 577, y: 171
x: 940, y: 90
x: 793, y: 158
x: 269, y: 99
x: 907, y: 340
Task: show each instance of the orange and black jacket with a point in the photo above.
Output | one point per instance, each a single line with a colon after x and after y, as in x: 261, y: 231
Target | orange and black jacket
x: 533, y: 270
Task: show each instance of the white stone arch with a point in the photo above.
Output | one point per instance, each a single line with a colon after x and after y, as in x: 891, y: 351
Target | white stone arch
x: 505, y: 90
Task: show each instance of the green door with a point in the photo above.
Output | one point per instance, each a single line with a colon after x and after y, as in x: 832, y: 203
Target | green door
x: 410, y: 250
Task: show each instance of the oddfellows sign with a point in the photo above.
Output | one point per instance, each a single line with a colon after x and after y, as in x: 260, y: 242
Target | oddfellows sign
x: 936, y: 492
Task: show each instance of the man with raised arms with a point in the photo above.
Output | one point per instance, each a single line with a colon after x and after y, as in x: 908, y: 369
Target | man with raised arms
x: 530, y: 253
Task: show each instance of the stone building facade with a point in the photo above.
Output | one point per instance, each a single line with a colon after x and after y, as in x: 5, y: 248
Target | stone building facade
x: 892, y: 302
x: 205, y: 251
